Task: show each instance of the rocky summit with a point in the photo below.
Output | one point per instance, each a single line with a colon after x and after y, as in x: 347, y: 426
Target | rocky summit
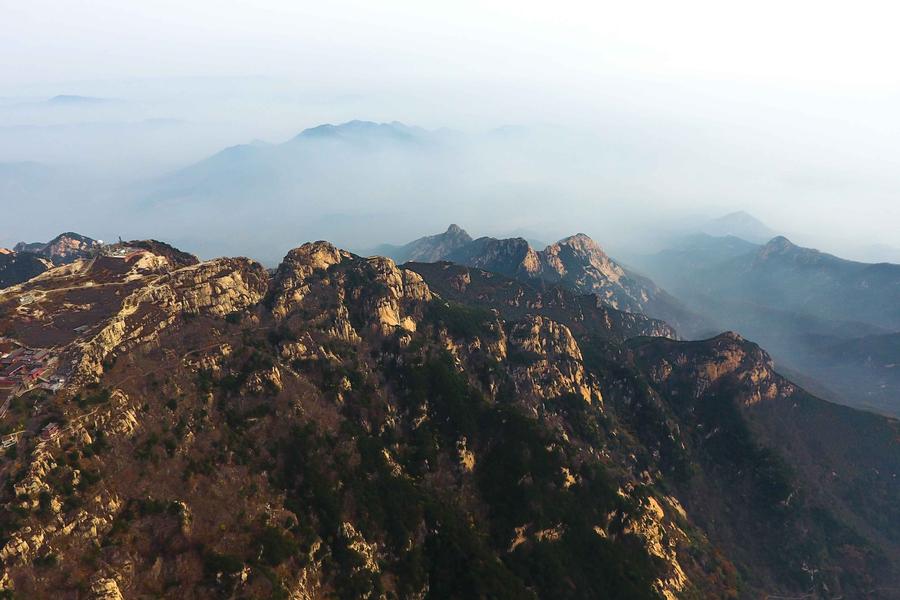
x: 344, y: 427
x: 576, y: 262
x: 27, y: 260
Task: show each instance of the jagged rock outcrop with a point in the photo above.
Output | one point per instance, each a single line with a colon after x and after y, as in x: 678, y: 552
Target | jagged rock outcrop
x: 63, y: 249
x: 579, y: 264
x: 725, y: 361
x: 514, y: 299
x: 552, y: 359
x: 380, y: 293
x: 427, y: 249
x: 346, y: 428
x: 218, y: 288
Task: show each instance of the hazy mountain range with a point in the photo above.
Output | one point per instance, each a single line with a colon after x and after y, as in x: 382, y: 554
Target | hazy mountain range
x: 821, y: 315
x: 358, y: 182
x: 829, y: 322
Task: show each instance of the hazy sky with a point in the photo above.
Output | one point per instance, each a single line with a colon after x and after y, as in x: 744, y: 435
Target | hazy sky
x: 786, y: 109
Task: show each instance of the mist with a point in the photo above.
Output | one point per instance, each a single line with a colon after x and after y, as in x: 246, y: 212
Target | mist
x: 631, y: 125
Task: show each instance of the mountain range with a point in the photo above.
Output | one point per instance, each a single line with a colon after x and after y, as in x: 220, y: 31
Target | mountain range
x: 822, y: 316
x: 344, y: 427
x: 575, y: 262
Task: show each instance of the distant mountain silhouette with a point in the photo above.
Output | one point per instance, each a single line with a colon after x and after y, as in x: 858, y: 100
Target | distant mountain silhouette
x: 809, y: 308
x: 431, y: 248
x: 739, y: 224
x: 63, y: 249
x: 72, y: 99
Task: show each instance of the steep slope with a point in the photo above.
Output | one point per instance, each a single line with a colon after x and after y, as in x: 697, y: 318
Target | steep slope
x: 341, y: 429
x: 801, y: 304
x: 810, y: 282
x: 866, y: 368
x: 678, y: 266
x: 579, y: 263
x: 583, y: 314
x: 782, y: 468
x: 16, y: 267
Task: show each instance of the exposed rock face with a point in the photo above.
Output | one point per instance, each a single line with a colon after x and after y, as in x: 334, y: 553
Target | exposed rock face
x: 217, y: 288
x: 514, y: 299
x: 578, y: 263
x: 512, y: 257
x: 554, y: 362
x: 383, y: 303
x: 430, y: 248
x: 808, y: 308
x: 290, y: 285
x: 106, y: 589
x: 725, y: 361
x: 63, y: 249
x: 174, y: 256
x: 346, y: 429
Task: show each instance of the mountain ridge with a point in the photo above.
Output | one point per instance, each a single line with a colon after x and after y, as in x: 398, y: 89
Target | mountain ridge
x: 576, y: 261
x: 238, y: 427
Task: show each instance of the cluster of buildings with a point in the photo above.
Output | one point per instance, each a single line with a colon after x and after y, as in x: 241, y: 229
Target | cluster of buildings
x: 121, y: 250
x: 23, y: 369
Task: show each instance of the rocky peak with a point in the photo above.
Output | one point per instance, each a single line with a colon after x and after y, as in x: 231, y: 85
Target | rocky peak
x: 361, y: 434
x: 289, y: 285
x: 457, y: 231
x: 782, y: 249
x: 578, y: 253
x: 726, y: 361
x: 63, y: 249
x: 512, y: 256
x: 580, y: 243
x: 338, y: 285
x: 313, y: 256
x: 433, y: 247
x: 777, y: 245
x: 175, y: 257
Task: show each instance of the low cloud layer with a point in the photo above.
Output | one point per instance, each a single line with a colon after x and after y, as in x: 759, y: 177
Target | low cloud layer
x: 625, y: 123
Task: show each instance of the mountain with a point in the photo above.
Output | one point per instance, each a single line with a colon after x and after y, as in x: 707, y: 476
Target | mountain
x: 365, y: 132
x: 430, y: 248
x: 63, y: 249
x: 865, y: 368
x: 16, y: 267
x: 308, y: 159
x: 576, y: 262
x: 513, y: 299
x: 28, y: 260
x: 739, y: 224
x: 339, y: 428
x: 801, y: 304
x: 63, y: 101
x: 811, y: 282
x: 74, y: 100
x: 689, y: 255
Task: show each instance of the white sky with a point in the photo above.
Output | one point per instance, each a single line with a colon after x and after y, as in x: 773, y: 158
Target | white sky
x: 812, y: 86
x: 827, y: 44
